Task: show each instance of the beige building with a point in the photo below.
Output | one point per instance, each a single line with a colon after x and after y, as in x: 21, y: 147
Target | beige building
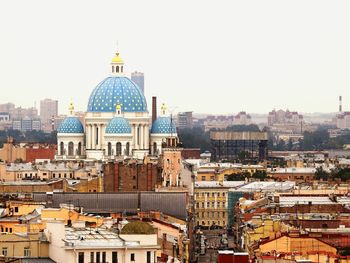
x: 211, y: 200
x: 24, y: 245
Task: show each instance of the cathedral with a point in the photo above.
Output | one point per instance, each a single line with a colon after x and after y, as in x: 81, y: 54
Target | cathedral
x: 117, y: 123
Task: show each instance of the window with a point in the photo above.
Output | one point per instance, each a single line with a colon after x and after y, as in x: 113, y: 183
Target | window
x: 98, y: 257
x: 4, y: 251
x: 103, y: 257
x: 16, y: 209
x: 218, y: 205
x: 212, y: 178
x: 81, y: 257
x: 114, y: 257
x: 219, y: 194
x: 212, y: 194
x: 208, y: 204
x: 212, y: 204
x: 132, y: 257
x: 203, y: 178
x: 223, y: 194
x: 148, y: 256
x: 27, y: 252
x: 203, y: 205
x: 119, y: 148
x: 91, y: 257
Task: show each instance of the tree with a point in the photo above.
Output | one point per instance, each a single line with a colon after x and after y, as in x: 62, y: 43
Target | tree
x: 321, y: 174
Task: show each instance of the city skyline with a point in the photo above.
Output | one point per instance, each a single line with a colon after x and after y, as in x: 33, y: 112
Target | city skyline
x: 301, y: 64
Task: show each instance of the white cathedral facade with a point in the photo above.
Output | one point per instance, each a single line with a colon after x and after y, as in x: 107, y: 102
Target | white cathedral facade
x: 117, y: 123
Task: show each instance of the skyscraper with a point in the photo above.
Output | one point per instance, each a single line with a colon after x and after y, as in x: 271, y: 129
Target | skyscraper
x: 139, y: 79
x: 48, y: 108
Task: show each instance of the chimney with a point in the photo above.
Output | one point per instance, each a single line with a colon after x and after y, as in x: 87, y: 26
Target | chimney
x: 154, y: 108
x: 340, y: 104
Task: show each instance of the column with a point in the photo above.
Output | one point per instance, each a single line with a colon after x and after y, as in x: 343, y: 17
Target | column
x: 93, y: 139
x: 102, y: 135
x: 87, y: 136
x: 146, y: 137
x: 136, y: 137
x: 142, y: 134
x: 133, y: 129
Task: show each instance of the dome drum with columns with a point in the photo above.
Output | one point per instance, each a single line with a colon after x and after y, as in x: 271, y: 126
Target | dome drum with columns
x: 70, y: 137
x: 117, y: 122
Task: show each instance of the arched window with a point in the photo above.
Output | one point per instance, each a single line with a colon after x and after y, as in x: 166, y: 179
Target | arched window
x: 119, y: 149
x: 117, y: 69
x: 112, y: 69
x: 155, y: 150
x: 109, y: 150
x: 127, y: 149
x: 79, y: 149
x: 70, y: 149
x: 61, y: 148
x: 121, y: 69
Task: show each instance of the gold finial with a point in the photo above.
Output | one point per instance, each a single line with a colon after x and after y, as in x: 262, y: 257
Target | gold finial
x: 118, y: 108
x: 117, y: 58
x: 71, y: 108
x: 163, y: 108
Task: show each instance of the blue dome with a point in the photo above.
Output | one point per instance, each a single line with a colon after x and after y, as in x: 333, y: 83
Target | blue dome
x: 70, y: 125
x: 163, y: 125
x: 118, y: 125
x: 117, y: 90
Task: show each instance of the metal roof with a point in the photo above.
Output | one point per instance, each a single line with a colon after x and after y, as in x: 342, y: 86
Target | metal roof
x: 170, y: 203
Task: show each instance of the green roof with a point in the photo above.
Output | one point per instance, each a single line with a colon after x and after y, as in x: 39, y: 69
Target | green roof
x: 137, y: 228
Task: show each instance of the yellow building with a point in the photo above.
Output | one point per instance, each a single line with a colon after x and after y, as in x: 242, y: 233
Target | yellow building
x: 211, y: 200
x: 22, y: 246
x: 20, y: 208
x: 289, y: 244
x: 66, y: 214
x: 217, y: 173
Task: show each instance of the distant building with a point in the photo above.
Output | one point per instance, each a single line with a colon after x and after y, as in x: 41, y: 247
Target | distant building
x: 139, y: 79
x: 17, y: 125
x: 242, y: 118
x: 4, y: 116
x: 48, y: 109
x: 7, y: 107
x: 284, y: 117
x: 343, y: 120
x: 230, y: 145
x: 26, y: 124
x: 185, y: 120
x: 218, y: 122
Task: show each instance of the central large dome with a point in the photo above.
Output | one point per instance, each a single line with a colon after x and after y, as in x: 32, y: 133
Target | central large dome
x: 117, y: 90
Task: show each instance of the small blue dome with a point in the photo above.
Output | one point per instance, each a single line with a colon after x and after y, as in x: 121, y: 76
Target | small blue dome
x: 163, y: 125
x: 70, y: 125
x: 117, y: 90
x: 118, y: 125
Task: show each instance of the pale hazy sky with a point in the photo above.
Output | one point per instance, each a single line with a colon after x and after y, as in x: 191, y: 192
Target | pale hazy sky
x: 205, y: 56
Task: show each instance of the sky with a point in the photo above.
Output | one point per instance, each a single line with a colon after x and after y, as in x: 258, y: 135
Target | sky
x: 216, y: 57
